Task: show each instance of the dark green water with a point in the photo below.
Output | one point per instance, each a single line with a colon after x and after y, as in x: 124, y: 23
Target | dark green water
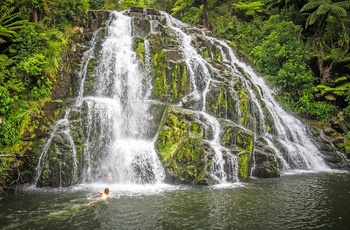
x: 300, y: 201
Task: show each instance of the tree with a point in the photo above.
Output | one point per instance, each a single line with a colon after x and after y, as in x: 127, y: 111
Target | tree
x: 185, y: 5
x: 324, y: 10
x: 130, y: 3
x: 280, y: 57
x: 327, y: 43
x: 250, y: 8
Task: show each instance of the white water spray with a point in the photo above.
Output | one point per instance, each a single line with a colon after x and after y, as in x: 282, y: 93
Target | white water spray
x: 117, y: 118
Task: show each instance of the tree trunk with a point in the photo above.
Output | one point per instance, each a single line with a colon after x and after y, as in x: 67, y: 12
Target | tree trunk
x: 35, y: 16
x: 206, y: 21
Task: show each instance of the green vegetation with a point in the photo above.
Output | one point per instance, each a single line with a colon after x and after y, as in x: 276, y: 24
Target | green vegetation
x: 301, y: 47
x: 33, y: 35
x: 180, y: 148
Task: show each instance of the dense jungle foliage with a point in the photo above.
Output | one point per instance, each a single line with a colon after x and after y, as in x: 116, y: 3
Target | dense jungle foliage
x: 300, y: 47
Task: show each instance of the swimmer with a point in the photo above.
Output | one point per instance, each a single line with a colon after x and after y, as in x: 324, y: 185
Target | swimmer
x: 104, y: 194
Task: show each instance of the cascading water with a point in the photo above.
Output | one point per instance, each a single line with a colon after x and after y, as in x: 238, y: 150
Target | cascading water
x: 117, y: 147
x: 117, y: 117
x: 200, y: 75
x: 61, y: 131
x: 118, y: 142
x: 300, y: 151
x: 291, y: 133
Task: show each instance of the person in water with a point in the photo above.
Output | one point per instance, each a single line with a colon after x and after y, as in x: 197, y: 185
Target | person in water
x: 104, y: 194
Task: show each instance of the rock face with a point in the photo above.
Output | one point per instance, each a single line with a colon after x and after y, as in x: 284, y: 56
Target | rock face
x: 207, y: 121
x: 184, y: 145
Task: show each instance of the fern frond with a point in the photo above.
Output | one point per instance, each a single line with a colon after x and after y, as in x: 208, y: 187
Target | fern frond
x: 340, y: 79
x: 323, y: 9
x: 181, y: 5
x: 310, y: 6
x: 330, y: 97
x: 5, y: 13
x: 338, y: 11
x: 4, y: 32
x: 311, y: 19
x: 343, y: 4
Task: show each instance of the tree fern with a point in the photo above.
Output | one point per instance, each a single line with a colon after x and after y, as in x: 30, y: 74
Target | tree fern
x: 250, y: 8
x: 343, y: 4
x: 331, y: 93
x: 338, y: 11
x: 9, y: 23
x: 181, y: 5
x: 310, y: 6
x: 323, y: 8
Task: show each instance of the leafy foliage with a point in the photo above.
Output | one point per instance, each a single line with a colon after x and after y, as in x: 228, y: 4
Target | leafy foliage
x: 197, y: 8
x: 308, y: 66
x: 250, y: 8
x: 10, y: 23
x: 325, y: 8
x: 280, y: 56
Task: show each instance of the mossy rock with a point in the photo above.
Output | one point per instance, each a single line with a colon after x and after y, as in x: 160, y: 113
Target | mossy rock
x: 268, y: 169
x: 170, y: 82
x: 266, y: 163
x: 241, y: 143
x: 221, y: 103
x: 139, y: 47
x: 59, y: 167
x: 189, y: 161
x: 181, y: 147
x: 90, y: 79
x: 234, y: 135
x: 205, y: 48
x: 141, y: 28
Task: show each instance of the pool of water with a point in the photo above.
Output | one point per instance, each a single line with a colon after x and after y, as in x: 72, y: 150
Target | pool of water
x: 295, y: 201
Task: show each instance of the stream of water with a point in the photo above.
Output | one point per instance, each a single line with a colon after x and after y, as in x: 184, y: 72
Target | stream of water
x: 296, y: 201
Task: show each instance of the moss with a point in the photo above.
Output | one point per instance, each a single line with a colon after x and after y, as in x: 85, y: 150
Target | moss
x: 244, y: 159
x: 139, y: 47
x: 178, y: 80
x: 173, y: 133
x: 234, y: 135
x: 221, y: 105
x: 190, y: 161
x: 170, y: 78
x: 197, y: 129
x: 216, y: 53
x: 160, y: 86
x: 169, y: 71
x: 174, y: 80
x: 205, y: 52
x: 243, y: 104
x: 242, y: 142
x: 137, y: 21
x: 182, y: 154
x: 245, y: 141
x: 228, y: 136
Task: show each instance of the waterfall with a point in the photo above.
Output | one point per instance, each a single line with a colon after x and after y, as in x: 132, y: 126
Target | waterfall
x: 300, y: 150
x: 60, y: 131
x: 116, y: 117
x: 117, y: 147
x: 114, y: 141
x: 200, y: 72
